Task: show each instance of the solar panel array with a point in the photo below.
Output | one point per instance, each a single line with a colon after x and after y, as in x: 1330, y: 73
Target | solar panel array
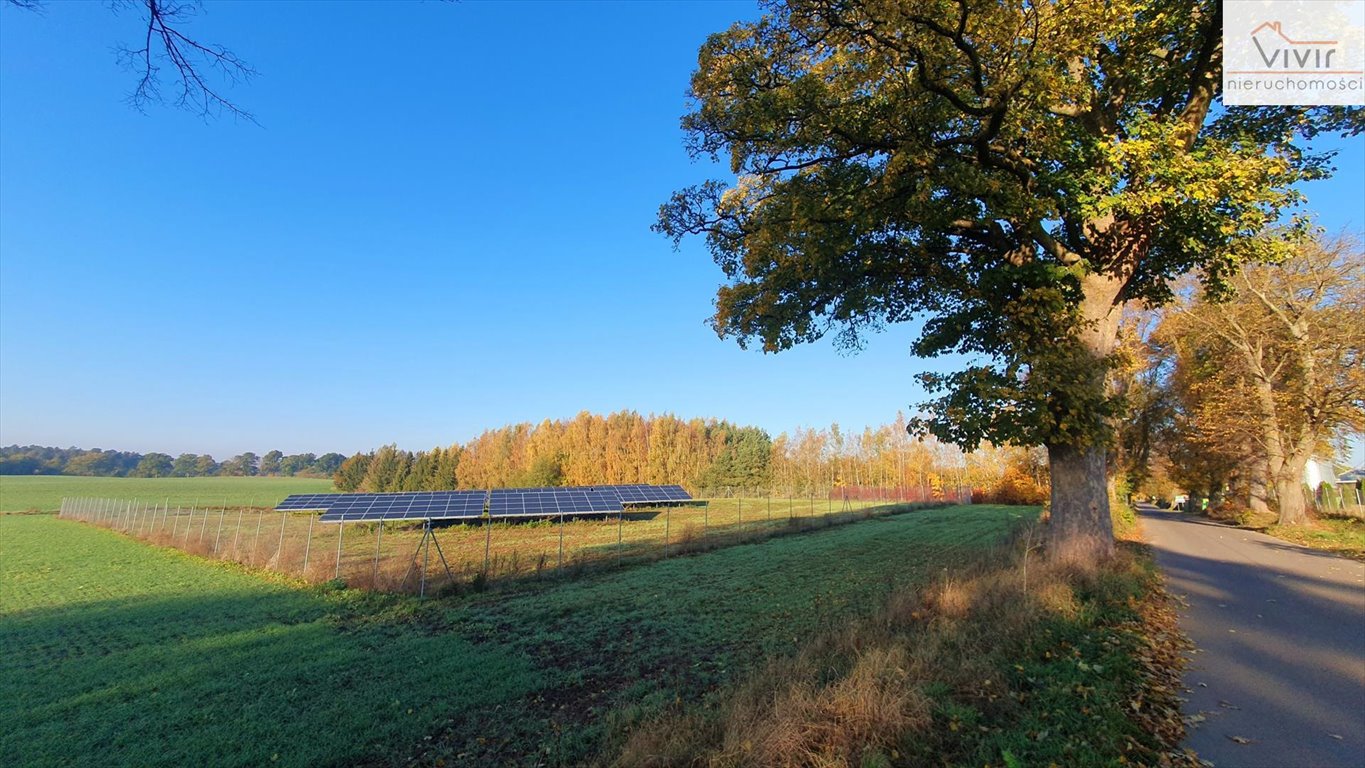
x: 502, y: 502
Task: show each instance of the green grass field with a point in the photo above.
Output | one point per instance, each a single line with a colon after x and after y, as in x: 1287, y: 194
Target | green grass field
x: 117, y: 653
x: 22, y: 493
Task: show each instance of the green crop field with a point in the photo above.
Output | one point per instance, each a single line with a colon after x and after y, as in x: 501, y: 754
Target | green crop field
x: 44, y: 493
x: 119, y: 653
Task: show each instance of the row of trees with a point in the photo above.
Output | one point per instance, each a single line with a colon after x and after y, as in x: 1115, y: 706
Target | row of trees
x: 1235, y: 392
x: 627, y: 447
x: 43, y: 460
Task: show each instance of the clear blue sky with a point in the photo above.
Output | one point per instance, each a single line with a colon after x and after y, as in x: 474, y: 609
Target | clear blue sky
x: 440, y: 225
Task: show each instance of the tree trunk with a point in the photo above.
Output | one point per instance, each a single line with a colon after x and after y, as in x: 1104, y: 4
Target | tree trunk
x: 1080, y: 528
x: 1256, y: 488
x: 1289, y: 489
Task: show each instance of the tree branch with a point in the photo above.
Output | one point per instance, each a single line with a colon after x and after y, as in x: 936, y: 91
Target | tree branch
x: 164, y: 42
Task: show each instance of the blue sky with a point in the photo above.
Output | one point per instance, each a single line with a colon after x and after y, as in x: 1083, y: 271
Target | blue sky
x: 440, y: 225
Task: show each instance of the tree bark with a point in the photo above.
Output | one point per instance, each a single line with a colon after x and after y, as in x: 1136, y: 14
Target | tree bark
x: 1081, y: 528
x: 1256, y: 488
x: 1289, y: 490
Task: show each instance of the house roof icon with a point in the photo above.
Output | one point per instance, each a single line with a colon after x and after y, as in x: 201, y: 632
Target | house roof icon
x: 1277, y: 28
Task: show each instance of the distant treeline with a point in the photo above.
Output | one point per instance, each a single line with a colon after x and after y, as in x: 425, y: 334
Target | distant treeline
x: 626, y: 447
x: 95, y: 462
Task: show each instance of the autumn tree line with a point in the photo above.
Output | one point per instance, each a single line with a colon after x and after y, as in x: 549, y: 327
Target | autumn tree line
x: 1231, y: 393
x: 96, y: 462
x: 700, y: 454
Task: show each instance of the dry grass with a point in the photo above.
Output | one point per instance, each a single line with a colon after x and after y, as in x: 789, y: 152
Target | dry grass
x: 361, y: 555
x: 900, y: 687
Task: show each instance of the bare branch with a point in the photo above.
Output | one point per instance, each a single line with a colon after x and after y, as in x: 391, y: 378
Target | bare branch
x: 193, y: 64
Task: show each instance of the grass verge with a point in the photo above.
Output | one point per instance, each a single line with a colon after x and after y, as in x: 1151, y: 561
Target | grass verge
x: 1340, y: 533
x: 1013, y: 661
x: 1342, y: 536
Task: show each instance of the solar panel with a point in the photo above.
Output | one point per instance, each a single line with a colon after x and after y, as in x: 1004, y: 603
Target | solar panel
x: 301, y: 501
x: 548, y: 502
x: 420, y: 505
x: 648, y: 494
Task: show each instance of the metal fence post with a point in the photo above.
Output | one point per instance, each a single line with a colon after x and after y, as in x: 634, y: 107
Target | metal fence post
x: 341, y: 528
x: 378, y: 540
x: 559, y: 563
x: 426, y: 558
x: 487, y: 542
x: 219, y: 536
x: 307, y: 546
x: 668, y: 514
x: 279, y: 549
x: 237, y: 534
x: 741, y: 511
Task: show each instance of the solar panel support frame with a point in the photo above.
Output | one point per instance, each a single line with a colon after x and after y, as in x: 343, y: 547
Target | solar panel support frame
x: 424, y: 551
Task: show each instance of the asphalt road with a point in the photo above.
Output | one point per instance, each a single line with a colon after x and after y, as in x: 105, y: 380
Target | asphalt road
x: 1278, y: 677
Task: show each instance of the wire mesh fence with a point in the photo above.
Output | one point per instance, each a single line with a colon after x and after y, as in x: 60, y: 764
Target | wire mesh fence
x: 411, y: 556
x: 1337, y: 500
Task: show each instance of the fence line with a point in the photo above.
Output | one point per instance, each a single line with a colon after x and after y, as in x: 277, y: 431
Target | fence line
x: 396, y: 556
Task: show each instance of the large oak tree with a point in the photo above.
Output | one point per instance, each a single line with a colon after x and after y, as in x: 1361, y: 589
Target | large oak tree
x: 1013, y: 171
